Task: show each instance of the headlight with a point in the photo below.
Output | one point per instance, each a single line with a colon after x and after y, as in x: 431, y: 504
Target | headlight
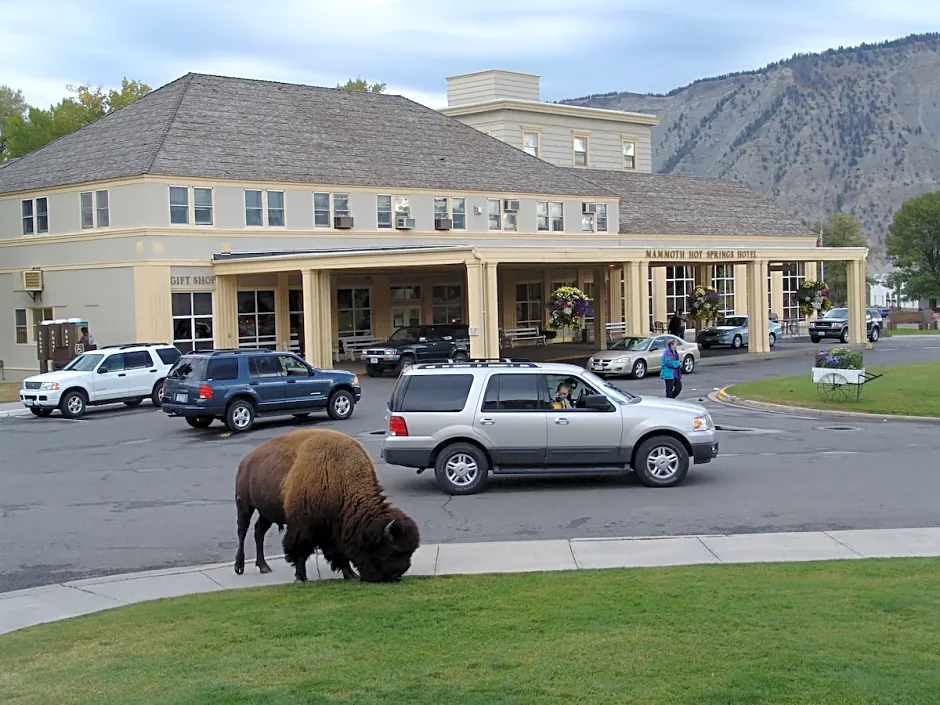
x: 838, y: 325
x: 356, y: 381
x: 622, y: 359
x: 389, y: 352
x: 702, y: 423
x: 50, y: 386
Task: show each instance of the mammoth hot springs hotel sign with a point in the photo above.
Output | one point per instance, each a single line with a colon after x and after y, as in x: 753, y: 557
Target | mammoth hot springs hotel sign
x: 701, y: 254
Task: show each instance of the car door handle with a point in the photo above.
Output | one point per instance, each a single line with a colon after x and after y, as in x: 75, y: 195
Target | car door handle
x: 561, y: 421
x: 154, y: 369
x: 253, y: 384
x: 292, y: 381
x: 122, y: 375
x: 487, y: 422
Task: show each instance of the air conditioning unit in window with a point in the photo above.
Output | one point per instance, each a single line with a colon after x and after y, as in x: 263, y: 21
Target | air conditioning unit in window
x: 443, y: 223
x: 342, y: 222
x: 404, y: 223
x: 510, y: 206
x: 32, y: 280
x: 589, y: 208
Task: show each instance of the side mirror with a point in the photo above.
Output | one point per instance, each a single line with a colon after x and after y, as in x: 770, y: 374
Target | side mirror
x: 422, y: 340
x: 598, y: 402
x: 103, y: 370
x: 448, y: 337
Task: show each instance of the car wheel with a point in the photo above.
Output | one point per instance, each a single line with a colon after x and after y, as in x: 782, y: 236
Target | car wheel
x: 661, y: 461
x: 737, y: 342
x: 688, y: 364
x: 42, y: 413
x: 133, y: 402
x: 460, y: 356
x: 844, y: 338
x: 639, y: 369
x: 405, y: 363
x: 199, y: 421
x: 772, y: 339
x: 240, y: 416
x: 156, y: 394
x: 73, y: 405
x: 814, y: 339
x: 373, y: 371
x: 341, y: 404
x: 875, y: 334
x: 461, y: 468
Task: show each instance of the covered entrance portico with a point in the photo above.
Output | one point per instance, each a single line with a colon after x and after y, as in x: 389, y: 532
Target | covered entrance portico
x: 484, y: 283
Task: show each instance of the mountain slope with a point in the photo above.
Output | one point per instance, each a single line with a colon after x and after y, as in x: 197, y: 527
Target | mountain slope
x: 856, y: 129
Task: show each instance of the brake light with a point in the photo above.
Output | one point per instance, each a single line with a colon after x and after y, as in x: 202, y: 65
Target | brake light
x: 397, y: 426
x: 205, y: 391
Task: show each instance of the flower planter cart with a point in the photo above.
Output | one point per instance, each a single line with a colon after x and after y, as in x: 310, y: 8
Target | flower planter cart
x: 837, y: 384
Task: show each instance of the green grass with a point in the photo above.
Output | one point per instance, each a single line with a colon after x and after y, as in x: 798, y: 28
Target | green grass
x: 911, y: 331
x: 843, y: 632
x: 9, y: 391
x: 905, y: 389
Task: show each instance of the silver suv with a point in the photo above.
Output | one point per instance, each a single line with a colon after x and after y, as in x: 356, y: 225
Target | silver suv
x: 467, y: 419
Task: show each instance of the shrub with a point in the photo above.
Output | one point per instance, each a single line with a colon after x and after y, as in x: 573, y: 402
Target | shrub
x: 840, y: 359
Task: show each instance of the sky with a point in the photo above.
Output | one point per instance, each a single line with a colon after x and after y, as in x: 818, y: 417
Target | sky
x: 578, y: 47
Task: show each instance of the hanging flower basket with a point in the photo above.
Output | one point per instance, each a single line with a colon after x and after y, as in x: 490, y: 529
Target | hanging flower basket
x: 813, y: 297
x: 703, y: 304
x: 567, y: 308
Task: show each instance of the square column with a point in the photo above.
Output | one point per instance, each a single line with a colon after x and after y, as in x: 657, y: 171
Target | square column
x: 855, y: 286
x: 491, y: 309
x: 282, y: 311
x: 637, y: 302
x: 659, y: 295
x: 776, y: 293
x: 740, y: 289
x: 758, y: 331
x: 615, y: 295
x: 600, y: 306
x: 475, y: 313
x: 225, y: 312
x: 318, y: 318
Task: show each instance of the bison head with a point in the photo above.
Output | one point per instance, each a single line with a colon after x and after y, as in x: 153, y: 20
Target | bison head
x: 392, y: 540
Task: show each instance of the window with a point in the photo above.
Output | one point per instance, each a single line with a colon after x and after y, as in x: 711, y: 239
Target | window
x: 179, y: 205
x: 275, y: 209
x: 600, y: 218
x: 341, y: 204
x: 510, y: 219
x: 292, y: 367
x: 21, y: 326
x: 264, y: 366
x: 168, y: 355
x: 541, y: 215
x: 253, y: 210
x: 295, y: 315
x: 723, y: 281
x: 794, y: 273
x: 448, y: 303
x: 530, y: 143
x: 459, y: 213
x: 494, y: 214
x: 587, y: 217
x: 192, y: 321
x: 29, y: 225
x: 440, y: 208
x: 513, y: 392
x: 102, y: 209
x: 680, y: 281
x: 202, y: 206
x: 529, y: 305
x: 436, y: 393
x: 88, y: 211
x: 222, y: 368
x: 572, y: 398
x: 405, y: 293
x: 113, y: 363
x: 137, y: 360
x: 402, y: 207
x: 35, y: 215
x: 354, y: 311
x: 558, y: 216
x: 39, y: 315
x: 383, y: 208
x: 256, y: 319
x: 321, y: 210
x: 580, y: 151
x: 629, y: 154
x: 42, y: 215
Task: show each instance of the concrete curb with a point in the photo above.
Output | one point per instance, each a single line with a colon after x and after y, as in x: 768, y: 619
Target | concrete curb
x: 49, y: 603
x: 13, y: 413
x: 722, y: 397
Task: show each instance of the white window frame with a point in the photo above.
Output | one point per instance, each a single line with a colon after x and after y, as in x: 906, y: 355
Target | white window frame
x: 462, y: 212
x: 88, y: 211
x: 557, y: 220
x: 329, y: 209
x: 595, y: 222
x: 269, y: 209
x: 682, y: 279
x: 379, y: 210
x: 354, y: 309
x: 338, y: 199
x: 259, y: 207
x: 21, y: 328
x: 723, y: 283
x: 449, y: 305
x: 401, y: 206
x: 794, y: 274
x: 31, y: 327
x: 575, y: 152
x: 195, y: 343
x: 295, y: 314
x: 438, y: 213
x: 601, y: 222
x: 102, y: 212
x: 178, y: 206
x: 543, y: 221
x: 536, y: 150
x: 531, y: 306
x: 628, y: 162
x: 34, y: 216
x: 203, y: 207
x: 494, y: 209
x: 268, y: 342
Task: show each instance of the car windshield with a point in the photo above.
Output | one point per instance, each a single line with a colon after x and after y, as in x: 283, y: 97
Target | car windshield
x: 84, y: 363
x: 641, y: 344
x: 611, y: 390
x: 406, y: 334
x: 624, y: 343
x: 837, y: 313
x: 734, y: 321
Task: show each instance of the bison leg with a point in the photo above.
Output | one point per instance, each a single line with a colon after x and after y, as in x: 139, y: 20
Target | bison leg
x: 244, y: 520
x: 296, y: 552
x: 261, y: 528
x: 339, y: 562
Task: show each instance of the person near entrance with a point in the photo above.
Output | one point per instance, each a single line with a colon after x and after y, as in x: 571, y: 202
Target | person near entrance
x: 676, y: 327
x: 87, y: 339
x: 671, y: 370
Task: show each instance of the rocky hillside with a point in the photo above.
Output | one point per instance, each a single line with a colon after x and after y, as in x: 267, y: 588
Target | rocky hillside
x: 855, y: 129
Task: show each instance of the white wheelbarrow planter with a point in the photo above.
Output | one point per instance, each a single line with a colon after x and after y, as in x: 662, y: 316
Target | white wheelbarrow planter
x: 838, y: 376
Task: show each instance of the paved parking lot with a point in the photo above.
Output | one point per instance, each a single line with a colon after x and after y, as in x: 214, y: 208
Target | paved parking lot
x: 127, y: 490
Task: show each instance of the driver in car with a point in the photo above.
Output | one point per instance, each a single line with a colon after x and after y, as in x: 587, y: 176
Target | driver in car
x: 562, y: 396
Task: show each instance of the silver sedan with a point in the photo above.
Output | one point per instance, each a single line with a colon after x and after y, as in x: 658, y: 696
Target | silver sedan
x: 636, y: 357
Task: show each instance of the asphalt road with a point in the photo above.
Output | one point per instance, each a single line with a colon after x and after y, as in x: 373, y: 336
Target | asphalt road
x: 126, y: 490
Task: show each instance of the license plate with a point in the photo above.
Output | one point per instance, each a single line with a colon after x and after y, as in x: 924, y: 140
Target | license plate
x: 373, y: 360
x: 182, y: 398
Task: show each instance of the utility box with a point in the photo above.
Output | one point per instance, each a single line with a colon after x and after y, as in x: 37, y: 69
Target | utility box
x: 58, y: 342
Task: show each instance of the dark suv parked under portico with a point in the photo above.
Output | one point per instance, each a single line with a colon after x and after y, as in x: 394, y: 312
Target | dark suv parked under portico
x: 411, y: 344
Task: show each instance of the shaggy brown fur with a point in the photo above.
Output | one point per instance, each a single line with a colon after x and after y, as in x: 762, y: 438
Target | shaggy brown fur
x: 322, y: 485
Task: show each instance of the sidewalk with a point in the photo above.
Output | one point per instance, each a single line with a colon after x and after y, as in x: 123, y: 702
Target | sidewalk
x: 49, y: 603
x: 13, y: 409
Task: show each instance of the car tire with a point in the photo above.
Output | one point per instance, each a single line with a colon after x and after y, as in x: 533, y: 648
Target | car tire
x: 73, y: 404
x: 405, y: 362
x: 814, y: 339
x: 41, y: 413
x: 461, y: 469
x: 199, y: 421
x: 875, y: 334
x: 844, y: 338
x: 661, y: 461
x: 737, y: 342
x: 772, y: 339
x: 373, y: 371
x: 133, y: 402
x: 688, y: 365
x: 341, y: 405
x: 460, y: 356
x: 639, y: 370
x: 240, y: 416
x: 156, y: 394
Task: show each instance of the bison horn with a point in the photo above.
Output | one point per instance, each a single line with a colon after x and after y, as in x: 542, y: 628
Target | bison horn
x: 388, y: 528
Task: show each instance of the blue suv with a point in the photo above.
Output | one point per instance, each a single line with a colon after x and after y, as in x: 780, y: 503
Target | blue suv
x: 237, y: 386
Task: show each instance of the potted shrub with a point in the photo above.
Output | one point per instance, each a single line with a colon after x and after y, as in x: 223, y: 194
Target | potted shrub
x: 839, y: 362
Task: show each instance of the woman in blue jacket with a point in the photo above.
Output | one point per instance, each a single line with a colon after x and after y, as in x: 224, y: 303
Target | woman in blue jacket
x: 671, y: 370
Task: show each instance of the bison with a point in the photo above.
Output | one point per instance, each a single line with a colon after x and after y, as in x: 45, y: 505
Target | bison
x: 322, y: 486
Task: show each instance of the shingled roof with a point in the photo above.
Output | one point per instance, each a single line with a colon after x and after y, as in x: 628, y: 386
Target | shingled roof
x: 666, y: 204
x: 247, y: 130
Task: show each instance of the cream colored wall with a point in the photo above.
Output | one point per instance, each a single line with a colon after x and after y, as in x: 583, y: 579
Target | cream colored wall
x: 491, y: 85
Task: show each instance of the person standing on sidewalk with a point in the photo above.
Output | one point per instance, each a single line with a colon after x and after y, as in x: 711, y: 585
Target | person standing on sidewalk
x: 671, y: 370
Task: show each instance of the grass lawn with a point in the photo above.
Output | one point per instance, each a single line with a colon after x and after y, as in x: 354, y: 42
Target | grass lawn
x: 9, y: 391
x: 911, y: 331
x: 841, y: 632
x: 905, y: 389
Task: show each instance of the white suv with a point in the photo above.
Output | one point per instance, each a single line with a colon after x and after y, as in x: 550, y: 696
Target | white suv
x: 108, y: 375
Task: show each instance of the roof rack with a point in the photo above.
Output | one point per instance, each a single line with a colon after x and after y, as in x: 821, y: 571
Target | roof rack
x: 123, y: 346
x: 505, y: 362
x: 231, y: 351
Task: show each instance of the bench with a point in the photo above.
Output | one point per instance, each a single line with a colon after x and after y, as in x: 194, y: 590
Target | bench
x: 519, y: 335
x: 352, y: 346
x: 618, y: 328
